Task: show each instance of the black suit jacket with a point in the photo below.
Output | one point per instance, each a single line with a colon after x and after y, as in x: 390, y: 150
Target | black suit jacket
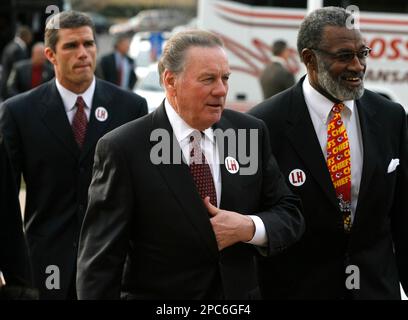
x: 20, y: 76
x: 107, y: 70
x: 378, y: 244
x: 11, y: 54
x: 14, y: 261
x: 153, y: 215
x: 57, y: 173
x: 275, y: 78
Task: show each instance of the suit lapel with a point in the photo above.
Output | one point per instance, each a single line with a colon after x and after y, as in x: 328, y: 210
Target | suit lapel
x: 96, y: 129
x: 55, y: 118
x: 228, y: 181
x: 370, y: 130
x: 303, y: 137
x: 180, y: 182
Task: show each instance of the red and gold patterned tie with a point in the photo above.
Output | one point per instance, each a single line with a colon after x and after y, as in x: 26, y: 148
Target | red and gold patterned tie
x: 80, y: 122
x: 200, y: 170
x: 338, y: 163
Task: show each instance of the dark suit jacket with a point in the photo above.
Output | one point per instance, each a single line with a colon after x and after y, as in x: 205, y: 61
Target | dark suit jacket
x: 14, y: 261
x: 20, y: 77
x: 57, y: 173
x: 107, y: 70
x: 378, y: 244
x: 275, y: 78
x: 154, y: 215
x: 11, y: 54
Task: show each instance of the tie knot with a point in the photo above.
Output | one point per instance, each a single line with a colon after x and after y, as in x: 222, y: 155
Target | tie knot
x: 338, y: 107
x: 80, y: 103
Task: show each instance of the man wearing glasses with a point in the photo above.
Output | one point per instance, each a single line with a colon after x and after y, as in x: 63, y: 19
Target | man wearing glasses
x: 343, y: 150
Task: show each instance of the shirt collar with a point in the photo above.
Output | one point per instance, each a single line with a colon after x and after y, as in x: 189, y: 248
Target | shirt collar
x: 20, y: 42
x: 180, y: 128
x: 69, y: 98
x: 320, y: 104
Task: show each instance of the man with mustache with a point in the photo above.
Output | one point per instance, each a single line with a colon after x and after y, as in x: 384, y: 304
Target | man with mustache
x: 51, y: 133
x: 343, y: 149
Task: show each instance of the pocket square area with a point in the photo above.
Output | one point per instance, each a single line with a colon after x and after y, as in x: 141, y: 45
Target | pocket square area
x: 393, y: 165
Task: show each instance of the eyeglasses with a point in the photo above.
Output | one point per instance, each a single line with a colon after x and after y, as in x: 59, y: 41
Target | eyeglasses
x: 347, y: 56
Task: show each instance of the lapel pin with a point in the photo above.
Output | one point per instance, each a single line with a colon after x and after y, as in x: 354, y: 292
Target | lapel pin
x: 232, y: 165
x: 297, y: 177
x: 101, y: 114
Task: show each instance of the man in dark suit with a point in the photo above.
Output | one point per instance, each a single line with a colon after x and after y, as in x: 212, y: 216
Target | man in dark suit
x: 52, y: 133
x: 15, y: 276
x: 276, y: 77
x: 30, y: 73
x: 15, y: 51
x: 117, y: 67
x: 343, y: 150
x: 187, y: 231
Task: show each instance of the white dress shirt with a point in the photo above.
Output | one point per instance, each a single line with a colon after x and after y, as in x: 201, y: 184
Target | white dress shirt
x: 320, y: 112
x: 69, y: 98
x: 182, y: 132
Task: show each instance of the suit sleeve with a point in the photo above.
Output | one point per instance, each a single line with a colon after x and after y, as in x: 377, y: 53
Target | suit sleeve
x: 400, y: 208
x: 281, y: 209
x: 14, y: 261
x: 103, y: 241
x: 9, y: 128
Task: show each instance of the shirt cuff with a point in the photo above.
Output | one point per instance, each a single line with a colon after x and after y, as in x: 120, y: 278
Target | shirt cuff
x: 260, y: 237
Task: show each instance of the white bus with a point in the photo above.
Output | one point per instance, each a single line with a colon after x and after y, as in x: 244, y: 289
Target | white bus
x: 249, y: 27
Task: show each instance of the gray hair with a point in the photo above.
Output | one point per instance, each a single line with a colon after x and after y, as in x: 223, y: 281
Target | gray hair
x: 311, y: 29
x: 65, y: 20
x: 173, y: 57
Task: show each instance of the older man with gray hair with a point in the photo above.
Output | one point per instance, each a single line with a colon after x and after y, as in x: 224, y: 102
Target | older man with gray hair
x: 168, y: 197
x: 344, y: 150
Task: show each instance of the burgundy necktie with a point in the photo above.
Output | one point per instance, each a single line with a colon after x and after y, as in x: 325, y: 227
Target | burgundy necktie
x: 80, y: 122
x: 200, y: 170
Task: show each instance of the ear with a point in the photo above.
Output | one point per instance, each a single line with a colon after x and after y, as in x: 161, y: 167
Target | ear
x: 50, y: 54
x: 309, y: 59
x: 169, y: 82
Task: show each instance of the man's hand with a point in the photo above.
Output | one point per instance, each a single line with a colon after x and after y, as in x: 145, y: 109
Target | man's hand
x: 229, y: 227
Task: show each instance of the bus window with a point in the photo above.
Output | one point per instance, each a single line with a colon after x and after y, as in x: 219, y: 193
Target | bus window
x: 274, y: 3
x: 398, y: 6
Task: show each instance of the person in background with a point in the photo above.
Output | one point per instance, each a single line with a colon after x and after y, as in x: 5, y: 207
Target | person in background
x: 344, y: 150
x: 30, y: 73
x: 190, y: 228
x: 15, y: 272
x: 276, y: 77
x: 117, y: 67
x: 15, y: 51
x: 51, y: 133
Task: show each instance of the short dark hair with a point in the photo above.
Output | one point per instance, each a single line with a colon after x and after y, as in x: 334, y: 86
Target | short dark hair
x: 65, y: 20
x: 278, y: 47
x: 311, y: 29
x: 173, y: 57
